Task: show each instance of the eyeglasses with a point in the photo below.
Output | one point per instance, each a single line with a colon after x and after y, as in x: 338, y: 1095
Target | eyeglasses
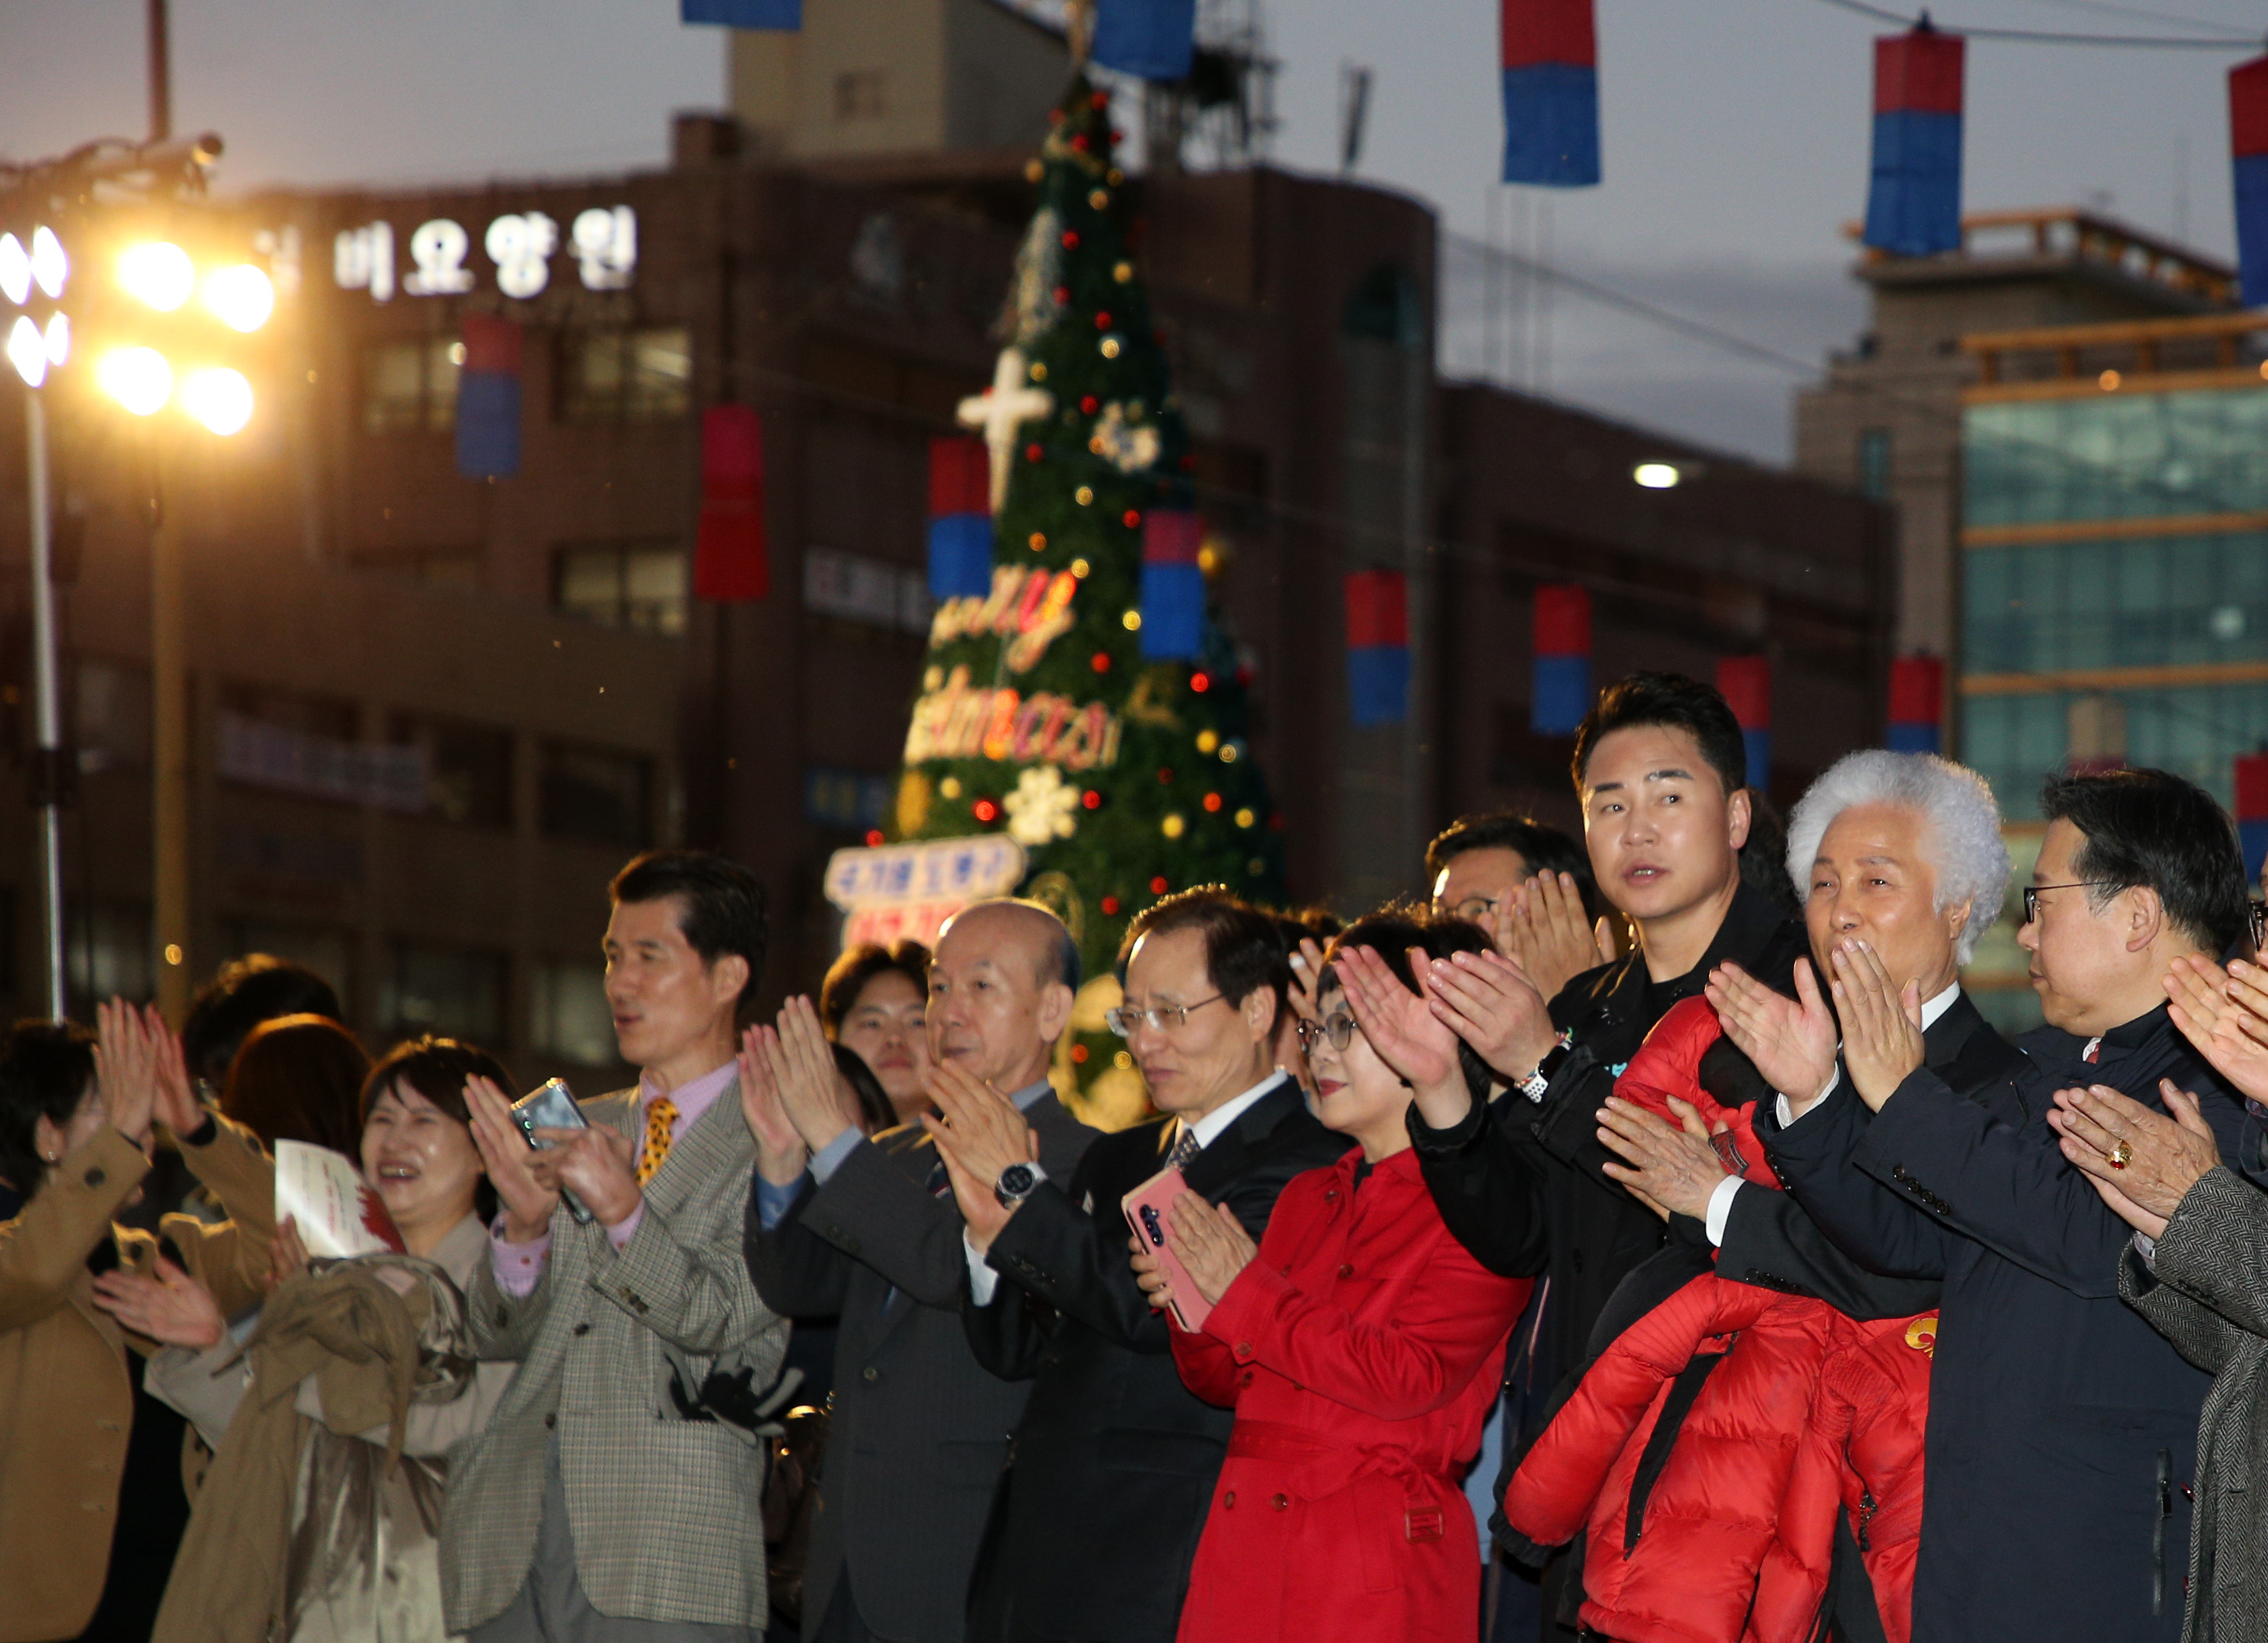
x: 2257, y: 914
x: 1162, y: 1018
x: 1472, y: 910
x: 2032, y: 893
x: 1340, y: 1029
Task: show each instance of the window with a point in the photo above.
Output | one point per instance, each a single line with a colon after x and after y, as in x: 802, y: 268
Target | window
x: 411, y: 388
x: 570, y: 1015
x: 329, y: 952
x: 1874, y: 463
x: 111, y: 716
x: 467, y: 768
x: 597, y: 796
x: 858, y: 95
x: 452, y: 992
x: 457, y: 568
x: 107, y: 952
x: 643, y: 375
x: 622, y: 585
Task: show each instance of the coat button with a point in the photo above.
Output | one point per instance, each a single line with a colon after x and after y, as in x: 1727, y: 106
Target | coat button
x: 582, y: 1328
x: 869, y: 1375
x: 1330, y: 1194
x: 503, y: 1315
x: 552, y: 1419
x: 1346, y: 1270
x: 1244, y: 1349
x: 1245, y: 1379
x: 1281, y: 1502
x: 1228, y: 1501
x: 95, y: 1177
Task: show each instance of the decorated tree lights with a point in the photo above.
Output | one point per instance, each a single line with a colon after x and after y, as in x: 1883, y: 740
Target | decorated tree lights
x: 1081, y: 698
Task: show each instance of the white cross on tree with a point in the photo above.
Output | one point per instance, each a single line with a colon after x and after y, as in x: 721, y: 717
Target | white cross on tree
x: 1000, y: 411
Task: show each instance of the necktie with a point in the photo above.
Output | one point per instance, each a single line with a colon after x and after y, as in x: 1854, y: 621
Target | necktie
x: 1184, y: 1149
x: 2093, y: 1053
x: 660, y: 1118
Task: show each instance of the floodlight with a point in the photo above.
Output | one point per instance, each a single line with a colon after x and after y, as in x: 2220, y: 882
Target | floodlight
x: 139, y: 378
x: 15, y: 270
x: 49, y: 266
x: 1656, y: 476
x: 160, y: 273
x: 27, y: 350
x: 58, y: 339
x: 219, y: 398
x: 242, y: 297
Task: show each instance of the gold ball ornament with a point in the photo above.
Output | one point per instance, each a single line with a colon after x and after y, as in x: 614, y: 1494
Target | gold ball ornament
x: 1039, y: 541
x: 1039, y: 371
x: 950, y: 787
x: 1131, y: 622
x: 1245, y: 818
x: 1207, y: 740
x: 1228, y: 753
x: 914, y: 795
x: 1173, y: 826
x: 1123, y: 273
x: 1110, y: 348
x: 1084, y: 496
x: 1034, y: 171
x: 1098, y: 198
x: 1079, y: 568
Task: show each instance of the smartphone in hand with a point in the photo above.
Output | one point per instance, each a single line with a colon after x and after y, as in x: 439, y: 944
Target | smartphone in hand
x: 1147, y: 1209
x: 552, y: 1106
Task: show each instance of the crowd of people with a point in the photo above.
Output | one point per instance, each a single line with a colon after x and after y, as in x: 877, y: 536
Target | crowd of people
x: 1629, y: 1186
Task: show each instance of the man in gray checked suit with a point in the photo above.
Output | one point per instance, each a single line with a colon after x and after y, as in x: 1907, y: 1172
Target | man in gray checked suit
x: 616, y: 1495
x: 869, y: 1229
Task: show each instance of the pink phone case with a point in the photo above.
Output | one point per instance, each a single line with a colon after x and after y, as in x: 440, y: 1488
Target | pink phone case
x: 1146, y: 1209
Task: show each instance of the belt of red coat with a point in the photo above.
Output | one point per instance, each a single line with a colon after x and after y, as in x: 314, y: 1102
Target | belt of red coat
x: 1318, y: 1467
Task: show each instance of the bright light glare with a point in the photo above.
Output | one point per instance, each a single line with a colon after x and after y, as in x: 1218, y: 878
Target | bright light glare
x: 160, y: 273
x: 219, y: 398
x: 49, y: 266
x: 139, y: 378
x: 1655, y: 476
x: 15, y: 270
x: 58, y: 339
x: 242, y: 297
x: 27, y: 350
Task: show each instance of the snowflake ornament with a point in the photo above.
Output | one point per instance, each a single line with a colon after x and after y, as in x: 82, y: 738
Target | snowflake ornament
x: 1128, y: 446
x: 1043, y: 807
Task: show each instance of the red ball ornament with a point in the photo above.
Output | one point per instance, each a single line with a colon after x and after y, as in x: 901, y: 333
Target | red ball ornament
x: 1103, y: 318
x: 1190, y: 462
x: 1055, y: 117
x: 1070, y: 239
x: 985, y: 810
x: 1165, y: 775
x: 1063, y: 295
x: 1110, y: 907
x: 1088, y: 404
x: 874, y: 837
x: 1157, y: 885
x: 1116, y: 135
x: 1101, y: 662
x: 1091, y: 799
x: 1031, y: 452
x: 1201, y: 682
x: 1133, y: 518
x: 1079, y: 1052
x: 1099, y: 100
x: 1079, y: 140
x: 1212, y: 802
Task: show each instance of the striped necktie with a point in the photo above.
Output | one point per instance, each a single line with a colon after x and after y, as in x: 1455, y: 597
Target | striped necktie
x: 660, y: 1119
x: 1187, y: 1147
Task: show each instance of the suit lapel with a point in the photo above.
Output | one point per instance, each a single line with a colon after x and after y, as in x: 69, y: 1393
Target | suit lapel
x: 714, y: 1143
x: 1230, y: 1153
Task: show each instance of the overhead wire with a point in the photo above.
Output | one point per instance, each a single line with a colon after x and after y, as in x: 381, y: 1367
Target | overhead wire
x: 2053, y: 37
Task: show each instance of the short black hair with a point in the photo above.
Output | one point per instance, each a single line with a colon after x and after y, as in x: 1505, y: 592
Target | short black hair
x: 1544, y: 848
x: 2153, y: 828
x: 848, y: 975
x: 1763, y: 856
x: 875, y: 1112
x: 1398, y: 933
x: 243, y: 993
x: 436, y: 1069
x: 720, y: 908
x: 1676, y: 703
x: 45, y: 1069
x: 1244, y: 947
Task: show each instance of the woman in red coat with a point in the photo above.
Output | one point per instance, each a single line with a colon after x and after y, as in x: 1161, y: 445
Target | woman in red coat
x: 1360, y: 1345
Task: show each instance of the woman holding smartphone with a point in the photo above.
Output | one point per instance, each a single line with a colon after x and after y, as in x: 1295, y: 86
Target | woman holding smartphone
x: 1358, y: 1344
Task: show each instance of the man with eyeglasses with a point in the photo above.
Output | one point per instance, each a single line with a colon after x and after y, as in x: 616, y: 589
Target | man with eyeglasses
x: 1099, y: 1510
x: 2062, y: 1428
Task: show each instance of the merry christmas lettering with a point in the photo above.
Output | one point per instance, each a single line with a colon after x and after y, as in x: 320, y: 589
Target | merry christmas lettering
x: 952, y: 720
x: 1033, y: 605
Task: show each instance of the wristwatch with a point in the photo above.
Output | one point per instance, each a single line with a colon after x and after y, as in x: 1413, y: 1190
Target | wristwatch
x: 1016, y: 1183
x: 1536, y: 1083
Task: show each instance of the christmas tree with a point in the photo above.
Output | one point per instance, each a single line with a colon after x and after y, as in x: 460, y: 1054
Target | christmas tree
x: 1078, y: 693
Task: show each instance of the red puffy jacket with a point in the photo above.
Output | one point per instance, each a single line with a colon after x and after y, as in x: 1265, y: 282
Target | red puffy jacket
x: 1708, y: 1450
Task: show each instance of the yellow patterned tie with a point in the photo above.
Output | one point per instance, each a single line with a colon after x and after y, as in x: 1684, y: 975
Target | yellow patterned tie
x: 660, y: 1117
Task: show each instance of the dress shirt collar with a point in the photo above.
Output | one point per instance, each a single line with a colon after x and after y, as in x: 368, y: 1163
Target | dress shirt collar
x: 1030, y: 1094
x: 693, y: 1097
x: 1210, y: 1128
x: 1932, y: 1008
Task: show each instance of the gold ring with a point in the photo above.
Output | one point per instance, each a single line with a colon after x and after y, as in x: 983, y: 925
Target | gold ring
x: 2122, y: 1154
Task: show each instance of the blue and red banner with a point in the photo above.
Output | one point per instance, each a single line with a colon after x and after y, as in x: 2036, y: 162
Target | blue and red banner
x: 1378, y: 648
x: 1913, y: 196
x: 729, y: 559
x: 1745, y: 682
x: 2247, y: 144
x: 774, y: 14
x: 1562, y: 689
x: 1916, y: 704
x: 1173, y: 586
x: 1550, y: 92
x: 2253, y: 810
x: 1151, y: 38
x: 488, y: 399
x: 960, y: 519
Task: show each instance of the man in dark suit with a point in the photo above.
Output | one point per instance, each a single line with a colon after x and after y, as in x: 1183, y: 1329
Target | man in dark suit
x: 1099, y: 1513
x: 2061, y: 1428
x: 868, y: 1230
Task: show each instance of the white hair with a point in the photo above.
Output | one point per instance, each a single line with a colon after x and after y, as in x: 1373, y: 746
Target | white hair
x: 1960, y: 833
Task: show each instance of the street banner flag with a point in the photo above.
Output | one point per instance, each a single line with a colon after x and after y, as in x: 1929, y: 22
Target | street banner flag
x: 960, y: 519
x: 488, y: 399
x: 1913, y: 197
x: 1378, y: 648
x: 2248, y: 143
x: 1550, y: 92
x: 729, y: 561
x: 2253, y: 810
x: 1916, y: 704
x: 1152, y: 38
x: 773, y: 14
x: 1745, y: 682
x: 1561, y: 694
x: 1173, y: 586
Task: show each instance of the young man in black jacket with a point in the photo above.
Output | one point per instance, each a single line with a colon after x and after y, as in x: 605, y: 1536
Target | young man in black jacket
x: 1659, y: 767
x: 1099, y: 1511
